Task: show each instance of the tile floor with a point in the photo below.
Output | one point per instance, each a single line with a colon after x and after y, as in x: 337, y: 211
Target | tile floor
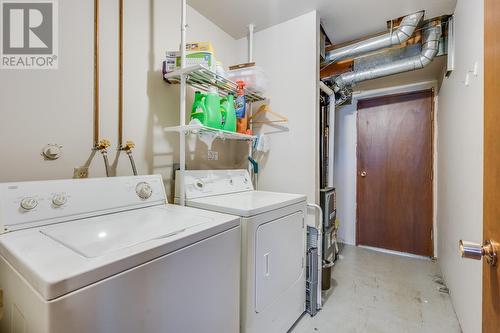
x: 375, y: 292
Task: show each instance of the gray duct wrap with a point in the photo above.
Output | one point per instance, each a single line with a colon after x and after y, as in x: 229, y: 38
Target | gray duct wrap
x: 395, y: 37
x: 430, y: 47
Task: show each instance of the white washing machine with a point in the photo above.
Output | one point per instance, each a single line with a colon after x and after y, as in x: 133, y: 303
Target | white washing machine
x: 273, y: 286
x: 110, y: 255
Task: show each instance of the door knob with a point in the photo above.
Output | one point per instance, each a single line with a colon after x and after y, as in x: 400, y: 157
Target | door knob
x: 476, y: 251
x: 363, y: 173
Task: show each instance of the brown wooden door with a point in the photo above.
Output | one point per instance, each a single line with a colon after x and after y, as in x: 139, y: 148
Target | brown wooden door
x: 394, y: 183
x: 491, y: 211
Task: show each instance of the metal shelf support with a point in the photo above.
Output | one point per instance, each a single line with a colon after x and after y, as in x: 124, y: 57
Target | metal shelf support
x: 182, y: 111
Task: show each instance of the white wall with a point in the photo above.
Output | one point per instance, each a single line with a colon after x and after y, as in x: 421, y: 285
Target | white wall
x: 460, y: 200
x: 288, y: 52
x: 345, y: 175
x: 40, y: 107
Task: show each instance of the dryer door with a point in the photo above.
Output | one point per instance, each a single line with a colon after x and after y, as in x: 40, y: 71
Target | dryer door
x: 279, y: 258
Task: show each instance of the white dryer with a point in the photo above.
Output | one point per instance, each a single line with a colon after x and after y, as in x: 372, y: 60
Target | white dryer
x: 273, y: 286
x: 111, y: 256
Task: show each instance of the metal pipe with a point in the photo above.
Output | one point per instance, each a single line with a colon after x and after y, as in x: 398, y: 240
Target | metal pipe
x: 182, y: 111
x: 430, y: 47
x: 394, y: 37
x: 250, y: 42
x: 132, y: 162
x: 250, y: 106
x: 326, y: 89
x: 96, y: 73
x: 120, y: 74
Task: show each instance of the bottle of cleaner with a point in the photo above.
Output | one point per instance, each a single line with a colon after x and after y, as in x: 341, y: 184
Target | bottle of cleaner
x: 212, y: 105
x: 198, y: 111
x: 228, y: 113
x: 206, y: 108
x: 240, y: 107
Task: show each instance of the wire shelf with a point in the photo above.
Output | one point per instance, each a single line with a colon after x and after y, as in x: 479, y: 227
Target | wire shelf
x: 216, y: 133
x: 201, y: 78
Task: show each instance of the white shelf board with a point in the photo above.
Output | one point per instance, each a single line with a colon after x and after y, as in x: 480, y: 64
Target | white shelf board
x: 202, y: 78
x: 205, y: 130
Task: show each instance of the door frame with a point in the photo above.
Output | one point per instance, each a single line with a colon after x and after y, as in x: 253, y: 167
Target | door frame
x: 402, y: 89
x: 490, y: 275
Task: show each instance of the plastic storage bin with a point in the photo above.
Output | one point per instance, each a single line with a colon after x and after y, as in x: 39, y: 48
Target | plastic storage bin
x: 254, y: 77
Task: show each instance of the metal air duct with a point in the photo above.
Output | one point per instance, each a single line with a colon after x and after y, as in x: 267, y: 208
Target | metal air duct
x: 430, y: 47
x: 395, y: 37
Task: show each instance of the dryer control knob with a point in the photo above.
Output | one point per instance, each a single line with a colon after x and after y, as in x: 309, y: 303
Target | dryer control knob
x: 29, y: 203
x: 143, y: 190
x: 59, y: 199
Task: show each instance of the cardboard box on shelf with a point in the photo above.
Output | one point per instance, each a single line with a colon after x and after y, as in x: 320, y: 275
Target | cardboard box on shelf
x: 205, y: 58
x: 199, y: 47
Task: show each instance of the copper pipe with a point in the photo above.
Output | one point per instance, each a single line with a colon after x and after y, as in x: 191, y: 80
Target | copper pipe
x: 96, y: 73
x: 120, y: 75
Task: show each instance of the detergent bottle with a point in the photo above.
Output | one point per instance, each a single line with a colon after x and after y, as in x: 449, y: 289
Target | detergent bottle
x: 228, y: 113
x: 198, y: 111
x: 240, y: 108
x: 212, y: 106
x: 206, y: 108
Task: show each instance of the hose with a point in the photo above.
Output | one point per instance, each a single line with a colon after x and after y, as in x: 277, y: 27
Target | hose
x: 132, y: 162
x: 106, y: 162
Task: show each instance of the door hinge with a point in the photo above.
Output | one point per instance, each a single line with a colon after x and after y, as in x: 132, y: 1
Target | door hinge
x: 432, y: 233
x: 432, y: 115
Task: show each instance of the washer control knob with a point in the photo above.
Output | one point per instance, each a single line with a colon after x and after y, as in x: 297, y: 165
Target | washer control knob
x: 29, y: 203
x: 199, y: 184
x: 143, y: 190
x: 59, y: 199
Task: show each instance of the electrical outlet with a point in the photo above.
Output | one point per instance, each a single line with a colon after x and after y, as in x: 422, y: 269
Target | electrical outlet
x: 213, y: 155
x: 81, y: 172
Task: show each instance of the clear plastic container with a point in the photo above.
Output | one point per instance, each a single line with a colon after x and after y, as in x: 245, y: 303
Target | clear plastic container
x: 254, y: 77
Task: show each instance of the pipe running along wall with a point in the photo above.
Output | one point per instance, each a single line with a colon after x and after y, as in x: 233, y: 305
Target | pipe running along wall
x: 129, y: 145
x: 120, y: 73
x: 430, y: 48
x: 96, y: 73
x: 98, y: 144
x: 395, y: 37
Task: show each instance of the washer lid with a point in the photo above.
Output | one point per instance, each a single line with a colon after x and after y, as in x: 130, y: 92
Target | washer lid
x: 60, y: 259
x: 248, y: 203
x: 98, y: 236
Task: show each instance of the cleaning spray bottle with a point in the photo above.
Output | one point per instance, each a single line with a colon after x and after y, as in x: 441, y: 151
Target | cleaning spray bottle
x: 240, y: 108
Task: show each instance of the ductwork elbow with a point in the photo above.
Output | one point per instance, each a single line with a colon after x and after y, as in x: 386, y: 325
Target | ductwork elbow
x: 430, y: 45
x: 430, y: 48
x: 405, y: 30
